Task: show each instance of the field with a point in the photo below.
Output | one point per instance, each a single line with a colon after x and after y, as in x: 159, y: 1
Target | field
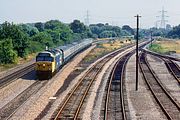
x: 105, y: 48
x: 166, y: 46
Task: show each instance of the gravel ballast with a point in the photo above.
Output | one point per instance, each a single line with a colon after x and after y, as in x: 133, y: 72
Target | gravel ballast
x: 165, y: 77
x: 33, y: 107
x: 12, y: 90
x: 141, y: 103
x: 93, y: 108
x: 91, y: 111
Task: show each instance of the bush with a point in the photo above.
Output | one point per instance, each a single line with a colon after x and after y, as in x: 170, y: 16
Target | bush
x: 6, y: 52
x: 156, y: 48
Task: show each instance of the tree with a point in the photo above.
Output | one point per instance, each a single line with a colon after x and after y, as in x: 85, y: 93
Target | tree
x: 39, y: 26
x: 19, y: 38
x: 30, y: 30
x: 65, y: 36
x: 6, y: 52
x: 100, y: 25
x: 54, y: 25
x: 128, y: 29
x: 77, y: 27
x: 106, y: 34
x: 58, y: 31
x: 175, y: 32
x: 107, y: 30
x: 96, y: 30
x: 55, y: 35
x: 43, y: 38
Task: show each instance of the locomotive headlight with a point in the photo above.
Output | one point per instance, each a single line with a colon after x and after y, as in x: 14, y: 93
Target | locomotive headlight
x: 44, y: 65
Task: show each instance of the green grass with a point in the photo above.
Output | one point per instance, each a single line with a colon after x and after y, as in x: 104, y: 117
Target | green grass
x: 157, y: 48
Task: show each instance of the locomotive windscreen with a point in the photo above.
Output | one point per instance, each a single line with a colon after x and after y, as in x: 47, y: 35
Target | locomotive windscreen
x: 44, y: 58
x: 43, y: 54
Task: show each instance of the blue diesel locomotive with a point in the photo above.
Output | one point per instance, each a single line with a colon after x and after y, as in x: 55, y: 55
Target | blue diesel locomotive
x: 50, y: 61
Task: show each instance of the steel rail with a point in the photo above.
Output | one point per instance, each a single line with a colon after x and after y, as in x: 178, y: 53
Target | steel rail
x: 152, y: 82
x: 11, y: 77
x: 173, y: 68
x: 70, y: 95
x: 122, y: 61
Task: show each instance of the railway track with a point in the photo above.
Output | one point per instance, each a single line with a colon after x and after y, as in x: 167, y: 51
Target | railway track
x: 160, y: 55
x: 114, y: 104
x: 173, y: 68
x: 7, y: 111
x: 71, y: 107
x: 169, y: 106
x: 12, y: 77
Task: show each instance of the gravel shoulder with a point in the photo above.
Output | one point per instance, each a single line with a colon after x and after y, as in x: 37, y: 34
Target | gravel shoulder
x: 165, y: 77
x: 33, y: 107
x: 141, y: 103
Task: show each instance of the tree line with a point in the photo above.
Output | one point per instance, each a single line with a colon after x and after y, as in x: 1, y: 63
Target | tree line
x: 20, y: 40
x: 173, y: 33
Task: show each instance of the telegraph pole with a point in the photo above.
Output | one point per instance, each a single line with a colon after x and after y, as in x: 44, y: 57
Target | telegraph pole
x: 137, y: 38
x: 151, y: 37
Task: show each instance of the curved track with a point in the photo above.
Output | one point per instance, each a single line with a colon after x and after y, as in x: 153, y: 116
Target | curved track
x: 173, y: 68
x: 71, y: 107
x: 169, y: 106
x: 114, y: 99
x: 160, y: 55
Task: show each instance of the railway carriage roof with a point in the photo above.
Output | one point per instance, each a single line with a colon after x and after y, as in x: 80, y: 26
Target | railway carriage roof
x: 54, y: 52
x: 65, y: 47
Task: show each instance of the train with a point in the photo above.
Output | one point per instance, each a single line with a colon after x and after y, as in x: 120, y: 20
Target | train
x: 50, y: 61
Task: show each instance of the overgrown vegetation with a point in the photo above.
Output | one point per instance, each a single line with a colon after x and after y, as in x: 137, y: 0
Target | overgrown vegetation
x: 104, y: 48
x: 105, y: 30
x: 166, y: 46
x: 19, y: 40
x: 156, y: 48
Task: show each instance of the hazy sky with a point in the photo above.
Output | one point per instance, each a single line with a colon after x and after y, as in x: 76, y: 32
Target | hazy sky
x: 116, y: 12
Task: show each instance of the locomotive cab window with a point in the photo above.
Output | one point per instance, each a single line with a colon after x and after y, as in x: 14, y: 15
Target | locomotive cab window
x: 49, y: 59
x: 44, y: 58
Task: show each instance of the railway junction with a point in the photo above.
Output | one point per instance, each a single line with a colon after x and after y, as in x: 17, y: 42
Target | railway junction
x: 97, y: 88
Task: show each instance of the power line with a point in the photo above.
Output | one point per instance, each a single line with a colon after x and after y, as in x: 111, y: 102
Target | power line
x: 163, y: 19
x: 87, y: 18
